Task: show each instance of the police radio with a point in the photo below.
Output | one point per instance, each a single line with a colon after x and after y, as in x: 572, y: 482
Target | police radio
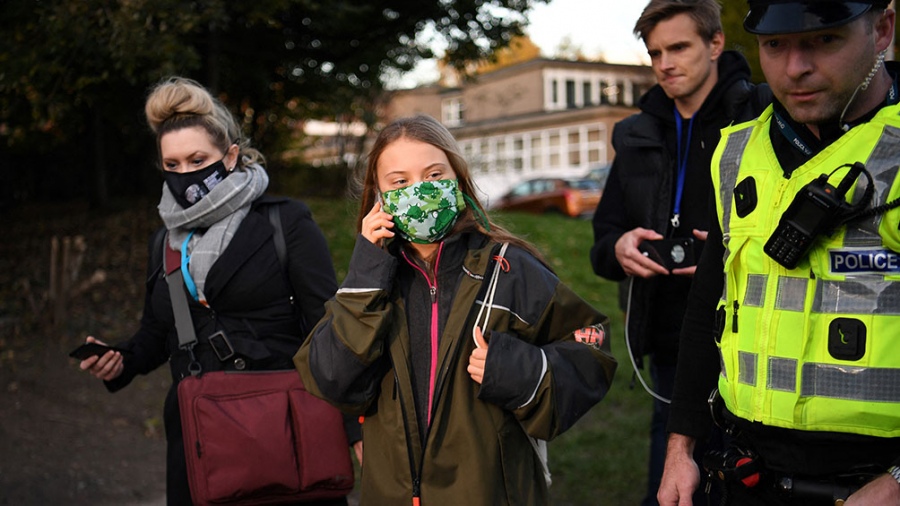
x: 817, y: 209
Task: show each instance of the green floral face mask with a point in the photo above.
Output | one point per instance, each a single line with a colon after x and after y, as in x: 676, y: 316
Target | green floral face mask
x: 424, y: 212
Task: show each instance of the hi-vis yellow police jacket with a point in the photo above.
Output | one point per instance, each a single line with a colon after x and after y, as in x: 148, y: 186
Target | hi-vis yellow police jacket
x: 816, y: 347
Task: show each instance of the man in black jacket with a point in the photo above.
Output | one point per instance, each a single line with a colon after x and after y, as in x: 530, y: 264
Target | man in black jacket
x: 659, y: 184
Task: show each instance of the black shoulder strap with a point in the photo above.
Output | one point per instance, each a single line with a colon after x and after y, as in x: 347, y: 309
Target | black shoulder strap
x: 157, y: 253
x: 280, y: 245
x: 281, y: 250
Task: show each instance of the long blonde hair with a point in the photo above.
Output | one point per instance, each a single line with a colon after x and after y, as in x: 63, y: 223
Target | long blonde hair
x: 426, y: 129
x: 176, y: 103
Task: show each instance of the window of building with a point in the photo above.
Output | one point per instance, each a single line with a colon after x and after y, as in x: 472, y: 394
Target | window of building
x: 452, y: 111
x: 504, y: 159
x: 468, y: 150
x: 612, y: 91
x: 553, y: 148
x: 625, y: 93
x: 537, y: 162
x: 570, y: 88
x: 574, y: 148
x: 483, y: 159
x: 517, y: 155
x: 594, y: 145
x: 501, y: 158
x: 604, y: 96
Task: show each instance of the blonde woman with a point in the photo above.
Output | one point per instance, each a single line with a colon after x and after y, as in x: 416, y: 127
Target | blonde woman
x: 214, y: 208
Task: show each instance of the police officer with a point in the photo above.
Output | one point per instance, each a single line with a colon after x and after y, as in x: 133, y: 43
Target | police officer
x: 794, y: 315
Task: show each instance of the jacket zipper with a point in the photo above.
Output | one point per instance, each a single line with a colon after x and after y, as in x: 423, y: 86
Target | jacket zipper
x: 432, y: 289
x: 734, y: 317
x: 416, y: 492
x: 416, y: 499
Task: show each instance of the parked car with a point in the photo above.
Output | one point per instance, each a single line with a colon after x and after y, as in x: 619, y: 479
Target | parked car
x: 600, y: 173
x: 572, y: 197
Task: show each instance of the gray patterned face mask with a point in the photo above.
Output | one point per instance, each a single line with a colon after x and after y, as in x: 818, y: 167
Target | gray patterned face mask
x: 425, y: 211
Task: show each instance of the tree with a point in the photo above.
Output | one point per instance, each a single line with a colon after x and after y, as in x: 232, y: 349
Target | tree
x: 66, y: 82
x: 569, y: 50
x: 520, y: 49
x: 75, y: 72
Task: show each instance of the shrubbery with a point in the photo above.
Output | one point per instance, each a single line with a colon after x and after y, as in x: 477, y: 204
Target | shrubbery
x: 305, y: 180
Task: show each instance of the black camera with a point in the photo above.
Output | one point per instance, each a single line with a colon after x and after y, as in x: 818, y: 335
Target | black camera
x: 816, y: 210
x: 673, y: 253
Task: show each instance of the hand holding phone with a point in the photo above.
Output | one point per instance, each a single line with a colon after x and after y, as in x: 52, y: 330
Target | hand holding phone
x: 96, y: 360
x: 377, y: 224
x: 92, y: 349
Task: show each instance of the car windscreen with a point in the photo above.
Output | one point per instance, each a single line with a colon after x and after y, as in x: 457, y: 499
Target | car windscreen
x: 584, y: 184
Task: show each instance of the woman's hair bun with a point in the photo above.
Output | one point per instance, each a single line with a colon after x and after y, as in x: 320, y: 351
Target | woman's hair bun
x: 177, y: 96
x: 177, y: 102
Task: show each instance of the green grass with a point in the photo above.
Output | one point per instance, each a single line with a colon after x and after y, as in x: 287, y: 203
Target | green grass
x: 602, y: 459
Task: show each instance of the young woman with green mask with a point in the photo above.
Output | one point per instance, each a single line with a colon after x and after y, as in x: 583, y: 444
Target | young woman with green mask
x: 448, y: 417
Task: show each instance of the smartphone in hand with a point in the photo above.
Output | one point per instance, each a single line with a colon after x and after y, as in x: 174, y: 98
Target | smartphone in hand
x: 88, y: 350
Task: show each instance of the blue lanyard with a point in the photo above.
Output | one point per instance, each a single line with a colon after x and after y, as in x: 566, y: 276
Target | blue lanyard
x: 682, y: 165
x: 185, y: 272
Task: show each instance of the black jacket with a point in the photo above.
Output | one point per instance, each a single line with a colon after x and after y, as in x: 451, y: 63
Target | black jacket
x: 249, y: 299
x: 641, y: 190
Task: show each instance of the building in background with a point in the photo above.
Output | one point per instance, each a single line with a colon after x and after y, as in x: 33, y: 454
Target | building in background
x: 543, y: 117
x: 334, y: 143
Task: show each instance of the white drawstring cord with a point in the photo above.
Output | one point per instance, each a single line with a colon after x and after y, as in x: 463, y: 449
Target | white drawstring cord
x: 631, y: 353
x: 539, y: 445
x: 489, y: 295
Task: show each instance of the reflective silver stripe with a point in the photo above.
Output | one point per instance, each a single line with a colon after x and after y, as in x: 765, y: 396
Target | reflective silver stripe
x: 791, y: 294
x: 537, y: 386
x: 882, y: 164
x: 852, y: 297
x: 782, y: 374
x: 729, y: 165
x: 747, y: 368
x: 722, y: 365
x: 358, y: 290
x: 755, y: 295
x: 851, y: 383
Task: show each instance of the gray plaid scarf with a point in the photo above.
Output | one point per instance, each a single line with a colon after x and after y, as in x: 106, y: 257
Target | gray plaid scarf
x: 214, y: 219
